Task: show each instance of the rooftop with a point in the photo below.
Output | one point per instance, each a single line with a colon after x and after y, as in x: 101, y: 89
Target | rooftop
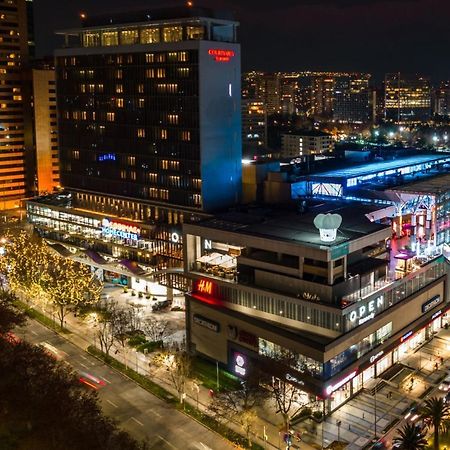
x: 299, y: 228
x: 436, y: 185
x: 310, y: 133
x: 361, y: 170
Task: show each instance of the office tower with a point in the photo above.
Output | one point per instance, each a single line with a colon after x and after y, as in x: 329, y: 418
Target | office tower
x: 254, y: 123
x: 149, y: 133
x: 45, y: 128
x: 442, y: 99
x: 16, y: 157
x: 289, y: 87
x: 272, y: 93
x: 407, y: 98
x: 351, y: 98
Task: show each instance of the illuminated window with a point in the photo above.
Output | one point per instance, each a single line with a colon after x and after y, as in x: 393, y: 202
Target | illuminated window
x: 140, y: 88
x: 164, y: 194
x: 123, y: 174
x: 164, y: 164
x: 197, y: 183
x: 174, y: 165
x: 153, y: 193
x: 195, y: 33
x: 149, y: 57
x: 150, y: 73
x: 186, y: 136
x: 163, y: 134
x: 175, y: 180
x: 119, y: 88
x: 119, y: 102
x: 160, y: 73
x: 133, y: 175
x: 153, y: 178
x: 83, y: 115
x: 128, y: 37
x: 91, y: 88
x: 197, y: 198
x: 172, y: 34
x: 141, y: 102
x: 141, y: 132
x: 91, y: 39
x: 100, y: 88
x: 183, y: 71
x: 119, y: 74
x: 110, y: 117
x: 172, y: 119
x: 149, y: 35
x: 160, y: 57
x: 82, y: 88
x: 110, y: 38
x: 75, y: 154
x: 119, y: 59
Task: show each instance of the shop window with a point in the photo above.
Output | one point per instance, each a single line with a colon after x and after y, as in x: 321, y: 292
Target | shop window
x: 150, y: 35
x: 128, y: 37
x: 110, y: 38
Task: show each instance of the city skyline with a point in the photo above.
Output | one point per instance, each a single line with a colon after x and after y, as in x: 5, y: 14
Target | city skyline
x: 372, y: 36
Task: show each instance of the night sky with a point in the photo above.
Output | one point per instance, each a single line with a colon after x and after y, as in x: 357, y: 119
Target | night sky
x: 375, y: 36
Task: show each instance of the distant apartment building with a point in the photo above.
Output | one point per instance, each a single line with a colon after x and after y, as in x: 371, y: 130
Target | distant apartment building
x: 254, y: 123
x: 45, y: 129
x: 322, y: 95
x: 407, y: 98
x: 306, y: 142
x: 351, y: 98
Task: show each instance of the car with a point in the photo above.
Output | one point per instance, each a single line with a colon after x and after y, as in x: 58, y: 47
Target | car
x: 413, y: 414
x: 447, y: 397
x: 445, y: 384
x: 161, y: 305
x: 51, y: 350
x: 91, y: 380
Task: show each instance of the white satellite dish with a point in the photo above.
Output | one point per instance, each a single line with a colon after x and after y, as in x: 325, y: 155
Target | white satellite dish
x: 327, y: 224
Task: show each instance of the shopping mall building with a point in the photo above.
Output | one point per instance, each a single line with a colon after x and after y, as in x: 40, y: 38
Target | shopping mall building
x: 267, y: 285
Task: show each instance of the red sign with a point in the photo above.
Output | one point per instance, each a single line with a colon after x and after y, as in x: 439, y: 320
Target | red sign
x: 204, y: 287
x: 206, y: 291
x: 221, y: 55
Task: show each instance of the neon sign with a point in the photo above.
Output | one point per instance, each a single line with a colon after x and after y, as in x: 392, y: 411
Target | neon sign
x: 221, y: 55
x: 121, y: 230
x: 406, y: 336
x: 375, y: 357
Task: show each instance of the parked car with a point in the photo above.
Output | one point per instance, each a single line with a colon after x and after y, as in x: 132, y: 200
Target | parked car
x: 159, y: 306
x: 445, y: 384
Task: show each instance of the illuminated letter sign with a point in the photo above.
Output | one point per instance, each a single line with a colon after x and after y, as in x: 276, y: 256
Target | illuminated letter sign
x: 375, y: 357
x: 221, y: 55
x: 334, y: 387
x: 208, y: 244
x: 175, y: 238
x: 436, y: 314
x: 430, y: 304
x: 204, y: 287
x: 206, y: 323
x: 406, y: 336
x: 240, y: 363
x: 121, y: 230
x: 366, y: 312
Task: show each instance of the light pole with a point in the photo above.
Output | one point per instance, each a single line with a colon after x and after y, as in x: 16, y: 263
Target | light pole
x: 338, y: 424
x: 217, y: 375
x: 375, y: 409
x: 196, y: 388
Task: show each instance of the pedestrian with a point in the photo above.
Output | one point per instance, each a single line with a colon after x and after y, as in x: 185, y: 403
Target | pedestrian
x: 442, y: 361
x: 390, y: 394
x: 364, y: 416
x: 349, y: 427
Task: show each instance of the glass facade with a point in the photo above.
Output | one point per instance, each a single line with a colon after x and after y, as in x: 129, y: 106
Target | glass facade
x: 129, y: 123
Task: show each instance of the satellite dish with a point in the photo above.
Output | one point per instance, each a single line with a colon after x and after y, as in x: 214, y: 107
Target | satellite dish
x: 327, y: 224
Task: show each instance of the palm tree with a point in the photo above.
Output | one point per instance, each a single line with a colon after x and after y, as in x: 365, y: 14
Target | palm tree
x: 411, y: 437
x: 436, y: 414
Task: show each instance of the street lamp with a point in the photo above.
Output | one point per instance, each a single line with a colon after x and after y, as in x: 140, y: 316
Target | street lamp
x: 196, y: 388
x: 338, y: 424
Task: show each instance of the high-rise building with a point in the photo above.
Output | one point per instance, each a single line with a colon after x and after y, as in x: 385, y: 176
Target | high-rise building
x: 45, y: 129
x: 407, y: 98
x: 322, y: 95
x: 149, y: 133
x: 442, y: 99
x: 16, y: 155
x: 351, y: 98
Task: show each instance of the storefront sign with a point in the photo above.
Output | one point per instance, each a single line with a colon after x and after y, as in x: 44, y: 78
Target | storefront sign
x: 175, y: 238
x: 208, y: 244
x: 248, y: 338
x: 376, y: 356
x: 118, y: 229
x: 221, y: 55
x: 430, y: 304
x: 436, y: 314
x: 204, y: 287
x: 206, y: 323
x: 240, y: 364
x: 406, y: 336
x: 366, y: 312
x: 334, y: 387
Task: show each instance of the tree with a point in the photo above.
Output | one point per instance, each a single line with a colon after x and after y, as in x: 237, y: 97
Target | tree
x: 179, y: 366
x: 411, y: 437
x: 105, y: 328
x: 10, y: 316
x: 121, y: 328
x: 156, y: 329
x: 436, y: 414
x: 239, y: 406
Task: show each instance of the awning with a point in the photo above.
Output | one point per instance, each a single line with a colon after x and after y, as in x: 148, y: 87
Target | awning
x: 95, y: 257
x: 133, y: 267
x: 59, y: 248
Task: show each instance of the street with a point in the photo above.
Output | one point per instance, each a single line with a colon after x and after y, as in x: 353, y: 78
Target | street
x: 137, y: 411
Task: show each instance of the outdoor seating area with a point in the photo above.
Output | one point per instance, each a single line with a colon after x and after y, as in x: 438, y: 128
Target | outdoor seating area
x: 217, y: 264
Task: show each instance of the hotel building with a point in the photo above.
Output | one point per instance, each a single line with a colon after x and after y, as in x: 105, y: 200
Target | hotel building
x: 275, y: 284
x: 149, y: 120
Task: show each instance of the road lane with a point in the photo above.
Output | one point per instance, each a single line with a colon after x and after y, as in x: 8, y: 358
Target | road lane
x: 137, y: 411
